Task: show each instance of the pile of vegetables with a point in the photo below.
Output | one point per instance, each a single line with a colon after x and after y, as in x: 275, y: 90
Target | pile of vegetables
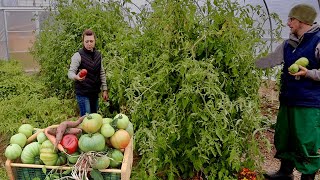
x: 89, y: 142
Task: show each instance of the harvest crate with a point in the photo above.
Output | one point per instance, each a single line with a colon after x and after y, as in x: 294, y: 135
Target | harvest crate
x: 20, y: 171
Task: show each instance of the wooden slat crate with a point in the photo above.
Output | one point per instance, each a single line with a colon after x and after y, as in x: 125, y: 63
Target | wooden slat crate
x: 20, y: 171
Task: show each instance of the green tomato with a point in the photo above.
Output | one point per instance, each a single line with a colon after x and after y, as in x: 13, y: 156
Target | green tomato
x: 122, y: 121
x: 41, y: 137
x: 101, y: 162
x: 62, y: 159
x: 26, y: 129
x: 107, y: 120
x: 129, y: 129
x: 92, y: 123
x: 92, y: 142
x: 13, y: 151
x: 107, y: 130
x: 48, y: 157
x: 19, y: 139
x: 116, y: 158
x: 73, y: 158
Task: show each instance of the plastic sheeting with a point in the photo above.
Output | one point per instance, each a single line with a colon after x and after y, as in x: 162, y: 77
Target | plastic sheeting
x: 282, y: 8
x: 3, y: 39
x: 17, y: 3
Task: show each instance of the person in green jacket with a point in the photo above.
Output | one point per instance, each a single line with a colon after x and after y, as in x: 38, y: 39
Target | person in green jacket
x: 297, y: 131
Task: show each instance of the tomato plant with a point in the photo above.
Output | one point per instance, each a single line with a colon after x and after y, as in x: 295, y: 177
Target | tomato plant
x: 183, y: 71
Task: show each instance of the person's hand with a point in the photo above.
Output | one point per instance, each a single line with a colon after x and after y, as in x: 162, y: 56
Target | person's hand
x: 79, y: 78
x: 105, y: 96
x: 302, y: 71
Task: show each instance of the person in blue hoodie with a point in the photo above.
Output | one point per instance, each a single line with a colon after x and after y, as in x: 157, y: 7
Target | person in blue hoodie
x: 88, y: 87
x: 297, y: 130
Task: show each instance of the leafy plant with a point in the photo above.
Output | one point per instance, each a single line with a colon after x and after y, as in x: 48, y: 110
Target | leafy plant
x: 61, y: 38
x: 23, y: 101
x: 184, y: 73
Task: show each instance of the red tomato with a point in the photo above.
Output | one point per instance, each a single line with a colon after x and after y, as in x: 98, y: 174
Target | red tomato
x: 83, y: 73
x: 70, y: 143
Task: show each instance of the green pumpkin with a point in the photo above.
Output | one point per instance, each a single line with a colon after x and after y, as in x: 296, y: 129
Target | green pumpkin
x: 48, y: 153
x: 30, y: 153
x: 92, y: 142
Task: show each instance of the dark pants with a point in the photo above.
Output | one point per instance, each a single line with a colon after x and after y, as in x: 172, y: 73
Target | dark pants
x: 87, y: 104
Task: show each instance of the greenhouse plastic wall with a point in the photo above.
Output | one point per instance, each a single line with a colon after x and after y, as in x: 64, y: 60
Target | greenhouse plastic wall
x: 20, y: 21
x: 3, y: 38
x: 17, y: 31
x: 282, y: 8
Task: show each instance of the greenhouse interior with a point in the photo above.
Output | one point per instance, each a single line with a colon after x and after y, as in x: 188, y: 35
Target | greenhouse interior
x: 183, y: 73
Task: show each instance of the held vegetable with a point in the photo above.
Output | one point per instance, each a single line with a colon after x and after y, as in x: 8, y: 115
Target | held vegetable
x: 294, y: 68
x: 83, y: 73
x: 302, y: 62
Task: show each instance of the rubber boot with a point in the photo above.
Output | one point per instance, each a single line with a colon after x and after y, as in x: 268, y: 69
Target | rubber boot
x: 308, y: 176
x: 284, y: 173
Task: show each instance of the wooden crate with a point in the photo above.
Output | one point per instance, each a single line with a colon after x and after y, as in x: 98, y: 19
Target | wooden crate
x: 14, y: 169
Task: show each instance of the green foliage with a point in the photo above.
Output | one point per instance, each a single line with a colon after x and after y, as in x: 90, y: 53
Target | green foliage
x: 3, y: 173
x: 193, y: 90
x: 61, y: 38
x: 184, y: 74
x: 23, y: 101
